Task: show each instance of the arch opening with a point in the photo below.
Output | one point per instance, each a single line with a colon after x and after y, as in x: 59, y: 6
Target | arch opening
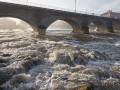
x: 97, y: 26
x: 11, y: 23
x: 15, y: 26
x: 59, y: 27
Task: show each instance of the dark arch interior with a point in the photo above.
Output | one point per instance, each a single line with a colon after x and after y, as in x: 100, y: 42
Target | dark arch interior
x: 59, y: 26
x: 97, y: 26
x: 10, y: 23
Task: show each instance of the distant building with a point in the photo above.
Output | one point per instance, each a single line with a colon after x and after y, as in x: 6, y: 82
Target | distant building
x: 111, y: 14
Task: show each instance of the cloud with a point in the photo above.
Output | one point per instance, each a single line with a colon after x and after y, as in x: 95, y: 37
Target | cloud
x: 93, y: 6
x: 113, y: 5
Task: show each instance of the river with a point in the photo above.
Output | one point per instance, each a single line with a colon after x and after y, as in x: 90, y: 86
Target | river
x: 59, y: 61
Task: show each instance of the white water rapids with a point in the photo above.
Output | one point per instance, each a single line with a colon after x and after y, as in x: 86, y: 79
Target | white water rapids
x: 87, y: 62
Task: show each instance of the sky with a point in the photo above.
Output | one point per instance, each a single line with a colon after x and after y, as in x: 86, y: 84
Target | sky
x: 92, y: 6
x: 88, y: 6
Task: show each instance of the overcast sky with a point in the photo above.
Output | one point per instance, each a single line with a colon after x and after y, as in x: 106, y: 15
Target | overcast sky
x: 93, y: 6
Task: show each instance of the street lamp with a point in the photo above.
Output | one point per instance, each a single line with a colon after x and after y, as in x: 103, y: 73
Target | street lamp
x: 75, y: 6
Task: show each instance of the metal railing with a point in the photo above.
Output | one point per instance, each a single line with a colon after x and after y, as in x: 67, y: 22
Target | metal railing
x: 46, y: 6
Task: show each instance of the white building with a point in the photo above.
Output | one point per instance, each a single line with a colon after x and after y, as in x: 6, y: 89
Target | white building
x: 111, y: 14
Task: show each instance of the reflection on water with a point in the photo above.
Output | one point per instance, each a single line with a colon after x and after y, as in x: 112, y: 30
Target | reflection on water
x: 59, y: 62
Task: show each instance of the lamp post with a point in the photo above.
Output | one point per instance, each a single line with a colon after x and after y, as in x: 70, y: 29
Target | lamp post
x: 75, y: 6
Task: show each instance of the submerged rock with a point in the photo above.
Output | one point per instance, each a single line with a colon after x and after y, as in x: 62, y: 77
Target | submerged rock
x: 85, y: 87
x: 18, y: 79
x: 6, y: 55
x: 1, y: 88
x: 61, y: 58
x: 3, y: 77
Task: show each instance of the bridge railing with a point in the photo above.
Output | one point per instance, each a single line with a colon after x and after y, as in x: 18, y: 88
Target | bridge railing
x: 46, y: 6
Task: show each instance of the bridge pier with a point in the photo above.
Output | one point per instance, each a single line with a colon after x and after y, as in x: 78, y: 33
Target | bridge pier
x: 40, y: 31
x: 77, y: 30
x: 85, y: 29
x: 110, y: 29
x: 81, y: 30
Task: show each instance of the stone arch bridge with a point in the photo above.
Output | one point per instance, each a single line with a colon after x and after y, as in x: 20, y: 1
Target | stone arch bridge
x: 40, y: 18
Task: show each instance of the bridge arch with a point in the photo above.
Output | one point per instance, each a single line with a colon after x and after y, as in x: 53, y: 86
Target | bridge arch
x: 76, y: 27
x: 59, y: 25
x: 98, y: 26
x: 26, y: 20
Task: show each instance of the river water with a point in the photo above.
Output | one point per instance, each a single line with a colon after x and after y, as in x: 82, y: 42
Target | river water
x: 59, y: 62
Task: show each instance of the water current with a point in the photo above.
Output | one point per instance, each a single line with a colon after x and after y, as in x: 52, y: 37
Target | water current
x: 59, y: 62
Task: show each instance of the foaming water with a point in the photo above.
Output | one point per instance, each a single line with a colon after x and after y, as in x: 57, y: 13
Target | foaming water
x: 59, y: 62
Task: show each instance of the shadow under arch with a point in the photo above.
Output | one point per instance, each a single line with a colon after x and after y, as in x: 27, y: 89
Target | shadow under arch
x: 76, y: 28
x: 98, y: 26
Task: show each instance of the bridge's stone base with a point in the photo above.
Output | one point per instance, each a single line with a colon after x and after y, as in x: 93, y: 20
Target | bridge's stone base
x: 39, y: 30
x: 85, y: 29
x: 110, y: 29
